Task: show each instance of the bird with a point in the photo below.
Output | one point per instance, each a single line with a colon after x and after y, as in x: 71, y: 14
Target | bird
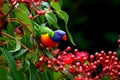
x: 50, y: 38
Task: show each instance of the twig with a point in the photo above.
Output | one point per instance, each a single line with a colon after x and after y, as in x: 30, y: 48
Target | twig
x: 11, y: 8
x: 25, y: 25
x: 20, y: 42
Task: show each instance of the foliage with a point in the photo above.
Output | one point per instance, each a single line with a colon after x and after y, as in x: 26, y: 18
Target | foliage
x: 20, y: 22
x: 24, y: 57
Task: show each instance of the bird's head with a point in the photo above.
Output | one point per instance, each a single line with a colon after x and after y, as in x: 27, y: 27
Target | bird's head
x: 59, y: 35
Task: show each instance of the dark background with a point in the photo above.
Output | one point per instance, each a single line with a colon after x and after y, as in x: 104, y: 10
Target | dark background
x: 94, y: 24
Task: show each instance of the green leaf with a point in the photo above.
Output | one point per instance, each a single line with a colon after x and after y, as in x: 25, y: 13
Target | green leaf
x: 57, y: 75
x: 50, y: 74
x: 19, y: 53
x: 5, y: 8
x: 25, y: 65
x: 22, y: 76
x: 60, y: 3
x: 22, y: 13
x: 3, y: 74
x: 26, y: 41
x: 11, y: 63
x: 112, y: 37
x: 56, y: 6
x: 46, y: 4
x: 52, y: 19
x: 106, y: 77
x: 63, y: 15
x: 32, y: 70
x: 18, y: 46
x: 10, y: 29
x: 70, y: 76
x: 23, y: 7
x: 43, y: 75
x: 48, y: 53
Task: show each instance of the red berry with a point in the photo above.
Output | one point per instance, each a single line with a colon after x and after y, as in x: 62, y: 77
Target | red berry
x: 55, y: 0
x: 94, y: 67
x: 61, y: 67
x: 68, y: 49
x: 111, y: 74
x: 96, y: 78
x: 39, y: 12
x: 81, y: 56
x: 75, y: 51
x: 67, y: 59
x: 110, y: 53
x: 40, y: 69
x: 119, y: 41
x: 114, y: 54
x: 118, y: 67
x: 91, y: 58
x: 45, y: 0
x: 30, y: 16
x: 101, y: 59
x: 37, y: 3
x: 42, y: 12
x: 49, y: 66
x: 38, y: 64
x: 88, y: 74
x: 56, y: 69
x: 77, y: 63
x: 118, y: 73
x: 96, y: 54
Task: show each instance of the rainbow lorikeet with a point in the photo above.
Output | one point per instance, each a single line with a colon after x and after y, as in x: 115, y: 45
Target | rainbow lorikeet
x: 50, y: 38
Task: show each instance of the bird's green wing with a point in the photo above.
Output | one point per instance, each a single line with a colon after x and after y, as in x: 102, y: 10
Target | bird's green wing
x: 41, y: 29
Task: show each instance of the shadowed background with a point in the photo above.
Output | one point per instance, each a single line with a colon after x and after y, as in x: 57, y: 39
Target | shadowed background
x: 94, y: 24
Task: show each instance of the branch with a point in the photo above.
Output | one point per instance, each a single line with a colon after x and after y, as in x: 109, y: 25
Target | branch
x: 11, y: 8
x: 20, y: 42
x: 18, y: 20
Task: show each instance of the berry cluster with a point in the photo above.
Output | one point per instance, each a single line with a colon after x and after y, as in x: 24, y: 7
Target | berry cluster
x: 33, y: 5
x: 84, y: 66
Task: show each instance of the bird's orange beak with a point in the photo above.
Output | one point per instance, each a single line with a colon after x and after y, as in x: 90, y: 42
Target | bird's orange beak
x: 64, y: 37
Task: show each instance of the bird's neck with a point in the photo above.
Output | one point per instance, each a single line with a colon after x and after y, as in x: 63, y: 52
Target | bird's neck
x: 51, y: 34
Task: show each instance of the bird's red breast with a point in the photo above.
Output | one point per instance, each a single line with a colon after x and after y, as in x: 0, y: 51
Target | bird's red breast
x: 46, y: 41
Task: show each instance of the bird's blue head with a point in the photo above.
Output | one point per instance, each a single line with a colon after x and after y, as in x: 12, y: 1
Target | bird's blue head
x: 59, y: 35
